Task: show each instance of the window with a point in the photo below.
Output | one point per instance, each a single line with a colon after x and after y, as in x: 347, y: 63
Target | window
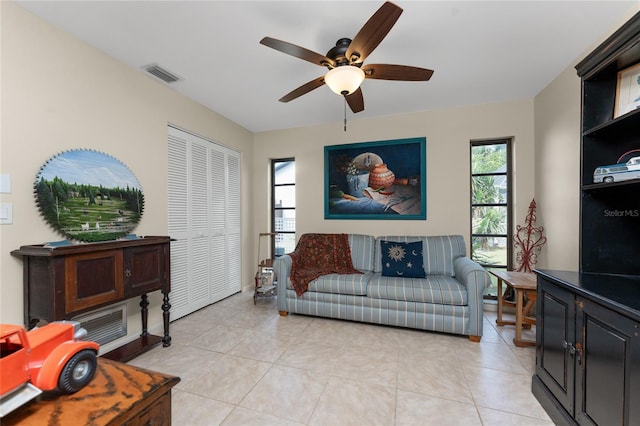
x: 283, y: 205
x: 491, y: 234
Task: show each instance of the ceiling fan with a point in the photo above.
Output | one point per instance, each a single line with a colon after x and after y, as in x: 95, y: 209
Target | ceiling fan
x: 345, y: 60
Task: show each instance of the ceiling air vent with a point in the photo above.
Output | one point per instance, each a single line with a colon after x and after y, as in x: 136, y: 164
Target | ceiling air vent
x: 161, y: 73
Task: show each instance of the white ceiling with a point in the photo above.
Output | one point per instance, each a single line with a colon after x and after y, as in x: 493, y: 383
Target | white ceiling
x: 481, y: 51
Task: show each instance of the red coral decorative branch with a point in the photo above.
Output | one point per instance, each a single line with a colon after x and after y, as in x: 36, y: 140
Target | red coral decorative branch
x: 530, y: 240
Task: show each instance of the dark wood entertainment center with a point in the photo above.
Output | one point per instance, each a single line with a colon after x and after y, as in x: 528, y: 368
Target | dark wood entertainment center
x: 65, y: 281
x: 588, y: 322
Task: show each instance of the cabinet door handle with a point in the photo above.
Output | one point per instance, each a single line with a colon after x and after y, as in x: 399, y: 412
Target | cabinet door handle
x: 567, y: 345
x: 573, y: 350
x: 127, y: 273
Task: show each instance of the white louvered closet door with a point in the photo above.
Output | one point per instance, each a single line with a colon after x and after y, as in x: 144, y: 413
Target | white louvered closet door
x: 204, y: 218
x: 234, y: 267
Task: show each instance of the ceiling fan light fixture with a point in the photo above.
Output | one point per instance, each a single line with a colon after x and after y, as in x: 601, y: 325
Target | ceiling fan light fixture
x: 344, y: 80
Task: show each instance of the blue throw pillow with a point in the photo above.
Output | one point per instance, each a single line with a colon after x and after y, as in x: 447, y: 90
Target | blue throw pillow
x: 402, y: 259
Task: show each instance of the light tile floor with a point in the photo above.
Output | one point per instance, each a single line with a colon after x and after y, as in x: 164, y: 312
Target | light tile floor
x: 242, y: 364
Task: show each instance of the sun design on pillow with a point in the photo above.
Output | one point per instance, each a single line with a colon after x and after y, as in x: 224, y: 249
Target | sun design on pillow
x: 396, y: 253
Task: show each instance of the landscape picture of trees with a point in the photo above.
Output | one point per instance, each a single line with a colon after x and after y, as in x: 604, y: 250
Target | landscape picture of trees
x: 89, y: 196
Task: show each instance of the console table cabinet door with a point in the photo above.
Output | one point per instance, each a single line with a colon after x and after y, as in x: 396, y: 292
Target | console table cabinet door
x: 93, y: 279
x: 44, y: 289
x: 145, y: 269
x: 555, y: 331
x: 609, y: 376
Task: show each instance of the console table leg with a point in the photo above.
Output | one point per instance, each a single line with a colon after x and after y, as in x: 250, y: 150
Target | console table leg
x: 166, y: 339
x: 144, y: 312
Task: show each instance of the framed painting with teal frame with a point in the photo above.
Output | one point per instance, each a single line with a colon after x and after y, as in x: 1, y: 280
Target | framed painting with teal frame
x: 376, y: 180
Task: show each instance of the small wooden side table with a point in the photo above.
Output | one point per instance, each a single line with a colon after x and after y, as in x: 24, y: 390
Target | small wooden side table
x: 523, y: 283
x: 119, y: 394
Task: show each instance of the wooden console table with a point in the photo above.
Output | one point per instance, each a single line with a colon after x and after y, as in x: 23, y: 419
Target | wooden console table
x: 65, y: 281
x: 522, y: 283
x: 118, y: 394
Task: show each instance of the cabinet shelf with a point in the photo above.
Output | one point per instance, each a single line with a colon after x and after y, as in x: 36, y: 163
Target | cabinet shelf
x: 632, y: 185
x: 621, y: 126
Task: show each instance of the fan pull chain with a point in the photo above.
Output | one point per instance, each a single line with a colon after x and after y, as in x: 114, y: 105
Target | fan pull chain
x: 345, y: 113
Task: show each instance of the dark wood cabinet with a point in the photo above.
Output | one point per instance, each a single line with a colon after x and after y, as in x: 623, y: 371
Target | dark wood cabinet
x: 588, y: 348
x: 587, y: 343
x: 63, y: 282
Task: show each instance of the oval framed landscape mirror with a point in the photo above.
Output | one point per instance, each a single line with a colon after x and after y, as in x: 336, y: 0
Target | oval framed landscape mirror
x: 88, y: 196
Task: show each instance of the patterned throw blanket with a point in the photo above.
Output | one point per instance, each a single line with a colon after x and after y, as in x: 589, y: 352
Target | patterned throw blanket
x: 317, y: 255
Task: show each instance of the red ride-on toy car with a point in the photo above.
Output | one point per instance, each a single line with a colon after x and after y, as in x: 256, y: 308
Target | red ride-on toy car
x: 53, y: 357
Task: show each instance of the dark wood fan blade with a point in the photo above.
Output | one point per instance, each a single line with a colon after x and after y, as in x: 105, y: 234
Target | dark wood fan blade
x: 372, y: 33
x: 356, y: 101
x: 305, y: 88
x: 297, y: 51
x: 396, y: 72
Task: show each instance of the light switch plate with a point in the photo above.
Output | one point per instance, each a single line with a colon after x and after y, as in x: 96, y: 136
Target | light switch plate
x: 6, y: 213
x: 5, y: 184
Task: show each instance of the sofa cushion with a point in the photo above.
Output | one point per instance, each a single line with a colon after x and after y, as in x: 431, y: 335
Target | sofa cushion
x: 362, y: 251
x: 354, y: 284
x: 438, y: 252
x: 440, y: 289
x: 402, y: 259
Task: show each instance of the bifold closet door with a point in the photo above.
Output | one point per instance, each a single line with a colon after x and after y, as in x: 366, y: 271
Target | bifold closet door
x: 204, y: 219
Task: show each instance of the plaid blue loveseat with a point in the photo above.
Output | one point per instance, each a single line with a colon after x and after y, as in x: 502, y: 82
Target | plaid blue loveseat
x: 448, y: 299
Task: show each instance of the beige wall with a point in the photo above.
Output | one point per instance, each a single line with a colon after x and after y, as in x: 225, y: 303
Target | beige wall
x: 557, y: 129
x: 58, y: 94
x: 448, y: 134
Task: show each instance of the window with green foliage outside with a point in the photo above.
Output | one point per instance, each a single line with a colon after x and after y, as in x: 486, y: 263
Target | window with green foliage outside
x: 491, y: 239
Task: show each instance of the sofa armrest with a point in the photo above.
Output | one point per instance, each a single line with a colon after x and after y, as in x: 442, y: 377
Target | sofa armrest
x: 282, y: 269
x: 475, y: 278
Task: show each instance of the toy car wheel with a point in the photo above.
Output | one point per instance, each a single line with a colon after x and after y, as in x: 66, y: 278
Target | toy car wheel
x: 78, y: 372
x: 608, y: 179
